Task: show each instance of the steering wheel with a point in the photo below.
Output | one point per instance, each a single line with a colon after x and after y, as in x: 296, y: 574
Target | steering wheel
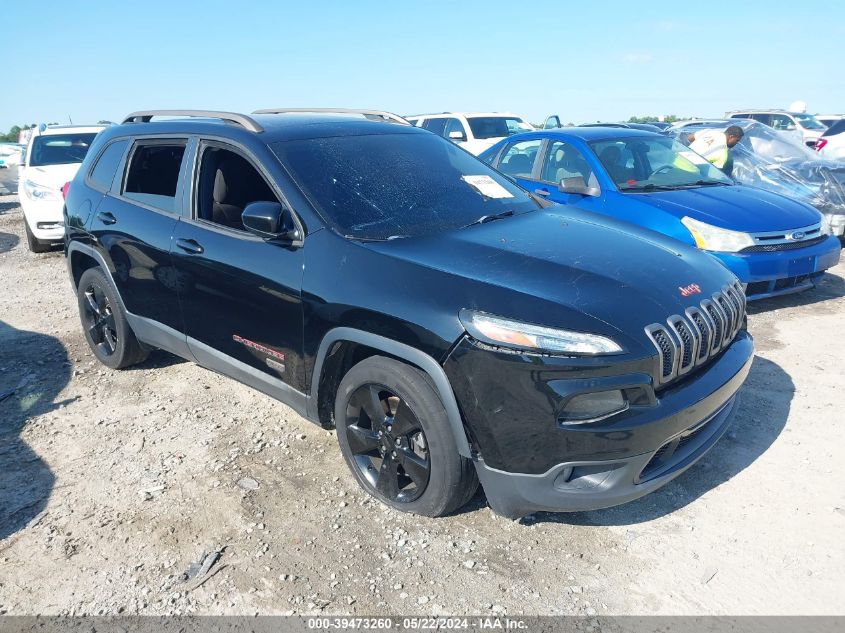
x: 665, y: 169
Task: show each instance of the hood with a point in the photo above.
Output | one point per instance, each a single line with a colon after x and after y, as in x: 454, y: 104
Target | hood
x: 554, y: 265
x: 479, y: 145
x: 53, y: 176
x: 737, y: 208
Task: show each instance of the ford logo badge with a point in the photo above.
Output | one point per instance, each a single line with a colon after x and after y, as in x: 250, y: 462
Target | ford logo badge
x: 798, y: 235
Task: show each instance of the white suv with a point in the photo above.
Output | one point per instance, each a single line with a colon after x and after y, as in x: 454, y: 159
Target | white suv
x: 805, y: 125
x: 474, y: 131
x: 52, y: 159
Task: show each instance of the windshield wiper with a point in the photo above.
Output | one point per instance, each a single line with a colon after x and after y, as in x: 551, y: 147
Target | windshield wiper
x: 650, y: 187
x: 706, y: 183
x: 490, y: 218
x: 359, y: 238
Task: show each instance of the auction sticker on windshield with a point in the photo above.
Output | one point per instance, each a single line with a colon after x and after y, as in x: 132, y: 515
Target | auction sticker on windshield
x: 486, y: 186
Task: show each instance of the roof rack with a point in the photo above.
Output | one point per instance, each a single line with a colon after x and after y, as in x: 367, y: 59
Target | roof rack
x: 144, y: 116
x: 370, y: 114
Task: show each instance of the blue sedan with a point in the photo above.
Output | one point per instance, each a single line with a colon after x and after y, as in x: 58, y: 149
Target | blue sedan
x: 774, y: 244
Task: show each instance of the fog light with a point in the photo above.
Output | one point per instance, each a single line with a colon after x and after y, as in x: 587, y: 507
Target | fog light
x: 592, y: 407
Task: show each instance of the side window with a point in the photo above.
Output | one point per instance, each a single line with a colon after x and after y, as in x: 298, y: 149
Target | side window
x: 227, y: 183
x: 782, y: 122
x: 102, y: 174
x: 566, y: 161
x: 455, y: 125
x: 153, y: 174
x: 765, y: 119
x: 435, y: 125
x: 518, y: 158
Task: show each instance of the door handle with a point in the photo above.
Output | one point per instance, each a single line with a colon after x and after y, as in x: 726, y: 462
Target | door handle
x: 106, y: 218
x: 189, y: 246
x: 542, y: 192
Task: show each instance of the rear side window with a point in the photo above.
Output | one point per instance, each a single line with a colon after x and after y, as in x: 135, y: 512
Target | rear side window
x: 105, y: 168
x: 518, y: 158
x: 153, y: 174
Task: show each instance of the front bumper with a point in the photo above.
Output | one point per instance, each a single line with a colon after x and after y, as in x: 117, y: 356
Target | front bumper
x: 782, y: 272
x: 598, y: 465
x: 44, y: 218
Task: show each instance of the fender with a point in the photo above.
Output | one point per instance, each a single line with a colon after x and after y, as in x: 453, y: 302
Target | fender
x: 414, y: 356
x: 146, y: 330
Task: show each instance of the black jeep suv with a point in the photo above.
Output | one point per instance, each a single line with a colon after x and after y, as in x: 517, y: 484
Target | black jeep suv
x: 380, y: 280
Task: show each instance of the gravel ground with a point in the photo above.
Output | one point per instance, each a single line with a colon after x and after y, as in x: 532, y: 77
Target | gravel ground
x: 115, y: 485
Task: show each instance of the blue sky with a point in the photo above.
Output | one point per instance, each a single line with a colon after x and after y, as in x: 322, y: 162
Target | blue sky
x: 586, y: 61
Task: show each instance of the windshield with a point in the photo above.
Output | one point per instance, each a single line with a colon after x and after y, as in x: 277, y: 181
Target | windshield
x: 809, y: 122
x: 385, y: 186
x: 643, y: 163
x: 60, y: 149
x: 495, y: 126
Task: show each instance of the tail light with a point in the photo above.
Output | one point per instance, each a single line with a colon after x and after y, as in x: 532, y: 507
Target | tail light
x: 820, y: 143
x: 64, y: 190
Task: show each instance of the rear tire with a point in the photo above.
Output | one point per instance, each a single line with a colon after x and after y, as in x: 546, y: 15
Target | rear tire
x: 33, y: 243
x: 104, y: 323
x: 395, y: 437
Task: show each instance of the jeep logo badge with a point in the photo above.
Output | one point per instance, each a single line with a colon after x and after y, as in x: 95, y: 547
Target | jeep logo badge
x: 798, y: 235
x: 692, y: 289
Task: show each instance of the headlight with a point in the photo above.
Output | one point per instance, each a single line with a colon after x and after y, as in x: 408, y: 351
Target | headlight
x: 712, y: 238
x: 34, y: 191
x: 526, y: 336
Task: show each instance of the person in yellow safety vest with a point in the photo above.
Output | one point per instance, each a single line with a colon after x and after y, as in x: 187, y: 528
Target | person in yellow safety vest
x: 714, y: 145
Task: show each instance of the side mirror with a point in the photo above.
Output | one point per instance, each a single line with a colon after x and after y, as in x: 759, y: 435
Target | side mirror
x: 577, y: 186
x: 455, y: 135
x: 269, y: 220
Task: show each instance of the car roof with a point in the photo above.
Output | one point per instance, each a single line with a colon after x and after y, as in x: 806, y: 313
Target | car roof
x: 593, y: 133
x: 271, y: 127
x: 435, y: 115
x: 67, y: 129
x: 764, y: 110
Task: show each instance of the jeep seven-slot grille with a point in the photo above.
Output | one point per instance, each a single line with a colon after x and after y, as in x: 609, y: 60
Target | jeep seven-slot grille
x: 701, y: 332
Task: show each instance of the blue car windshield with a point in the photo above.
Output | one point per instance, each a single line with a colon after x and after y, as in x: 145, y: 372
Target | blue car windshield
x: 644, y: 163
x: 385, y: 186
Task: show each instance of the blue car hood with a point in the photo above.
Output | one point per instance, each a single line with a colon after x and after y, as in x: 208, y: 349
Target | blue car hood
x: 737, y: 207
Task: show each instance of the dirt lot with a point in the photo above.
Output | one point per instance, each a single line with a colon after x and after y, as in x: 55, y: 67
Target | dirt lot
x: 112, y: 484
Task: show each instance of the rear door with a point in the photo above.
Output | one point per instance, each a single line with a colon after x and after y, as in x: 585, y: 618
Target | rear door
x: 132, y: 228
x: 518, y: 160
x: 240, y: 294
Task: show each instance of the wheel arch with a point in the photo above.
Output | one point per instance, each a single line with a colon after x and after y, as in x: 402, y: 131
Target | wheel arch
x: 343, y: 347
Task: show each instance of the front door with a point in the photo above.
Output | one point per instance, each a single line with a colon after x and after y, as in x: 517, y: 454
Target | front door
x: 560, y: 161
x: 240, y: 294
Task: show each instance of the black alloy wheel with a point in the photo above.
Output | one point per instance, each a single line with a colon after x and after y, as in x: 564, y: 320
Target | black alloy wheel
x: 104, y: 324
x: 388, y: 444
x: 98, y: 320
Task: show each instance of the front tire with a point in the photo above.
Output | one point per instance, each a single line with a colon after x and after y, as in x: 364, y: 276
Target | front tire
x: 395, y: 437
x: 33, y: 243
x: 104, y: 323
